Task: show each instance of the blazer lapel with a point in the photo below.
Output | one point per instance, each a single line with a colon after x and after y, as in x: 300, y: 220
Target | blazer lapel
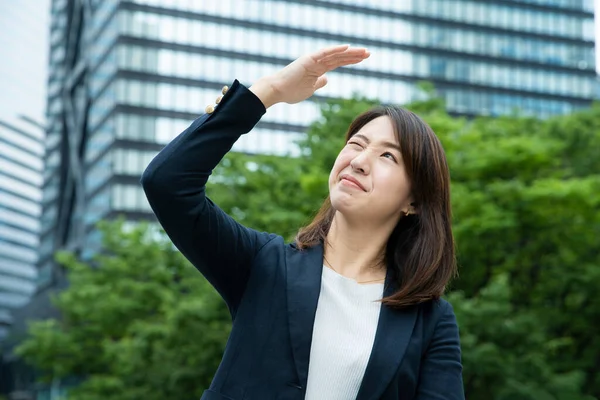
x: 394, y: 330
x: 304, y: 269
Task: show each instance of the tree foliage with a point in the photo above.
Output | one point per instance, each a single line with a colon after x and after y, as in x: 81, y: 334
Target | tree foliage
x: 141, y: 323
x: 138, y: 323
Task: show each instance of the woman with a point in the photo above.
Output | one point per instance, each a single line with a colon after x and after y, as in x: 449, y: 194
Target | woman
x: 308, y: 320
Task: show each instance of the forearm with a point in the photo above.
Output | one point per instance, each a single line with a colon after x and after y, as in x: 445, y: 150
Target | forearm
x: 191, y: 156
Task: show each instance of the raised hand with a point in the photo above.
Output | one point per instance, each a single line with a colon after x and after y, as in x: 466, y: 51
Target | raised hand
x: 300, y: 79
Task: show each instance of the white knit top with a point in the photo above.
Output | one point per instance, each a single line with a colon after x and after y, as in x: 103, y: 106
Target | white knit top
x: 343, y: 336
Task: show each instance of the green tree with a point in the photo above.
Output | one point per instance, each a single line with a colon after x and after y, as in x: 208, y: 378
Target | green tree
x: 507, y: 351
x: 526, y: 204
x: 139, y: 322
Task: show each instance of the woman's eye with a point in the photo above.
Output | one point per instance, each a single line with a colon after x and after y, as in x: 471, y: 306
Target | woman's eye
x: 356, y: 144
x: 390, y: 156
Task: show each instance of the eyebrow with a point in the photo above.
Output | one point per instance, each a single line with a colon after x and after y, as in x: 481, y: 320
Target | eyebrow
x: 394, y: 146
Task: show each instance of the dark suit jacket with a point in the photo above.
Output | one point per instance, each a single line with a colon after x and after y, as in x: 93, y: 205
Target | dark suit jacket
x: 272, y: 288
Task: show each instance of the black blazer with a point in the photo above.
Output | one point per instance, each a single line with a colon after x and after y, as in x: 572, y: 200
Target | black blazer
x: 272, y: 288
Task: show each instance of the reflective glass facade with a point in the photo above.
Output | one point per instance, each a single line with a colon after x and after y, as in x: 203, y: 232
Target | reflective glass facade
x: 24, y: 49
x: 20, y: 196
x: 151, y: 66
x: 484, y: 57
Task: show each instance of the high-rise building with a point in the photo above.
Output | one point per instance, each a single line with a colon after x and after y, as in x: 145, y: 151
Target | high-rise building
x: 23, y: 74
x: 494, y: 56
x: 21, y: 153
x: 126, y: 76
x: 24, y: 50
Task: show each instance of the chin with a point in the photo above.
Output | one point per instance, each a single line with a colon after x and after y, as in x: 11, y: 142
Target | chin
x: 343, y: 202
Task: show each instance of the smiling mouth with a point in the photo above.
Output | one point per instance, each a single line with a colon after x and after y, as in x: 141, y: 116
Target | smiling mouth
x: 352, y: 182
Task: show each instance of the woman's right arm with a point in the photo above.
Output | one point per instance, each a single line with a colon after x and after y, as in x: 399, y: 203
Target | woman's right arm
x: 175, y: 185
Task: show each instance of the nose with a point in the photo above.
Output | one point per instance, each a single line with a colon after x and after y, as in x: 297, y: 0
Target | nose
x: 361, y: 164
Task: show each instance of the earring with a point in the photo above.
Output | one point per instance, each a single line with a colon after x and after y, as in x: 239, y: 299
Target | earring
x: 409, y: 211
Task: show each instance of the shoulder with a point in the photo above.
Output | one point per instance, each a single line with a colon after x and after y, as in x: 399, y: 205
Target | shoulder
x: 435, y: 308
x: 271, y: 245
x: 437, y: 313
x: 274, y: 247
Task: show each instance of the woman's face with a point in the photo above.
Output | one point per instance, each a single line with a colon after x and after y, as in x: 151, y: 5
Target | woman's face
x: 368, y: 181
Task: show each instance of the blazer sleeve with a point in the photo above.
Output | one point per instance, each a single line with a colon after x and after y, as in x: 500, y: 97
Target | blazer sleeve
x: 440, y: 376
x: 175, y: 185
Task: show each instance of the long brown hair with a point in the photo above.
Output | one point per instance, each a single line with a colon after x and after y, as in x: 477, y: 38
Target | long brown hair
x: 420, y: 250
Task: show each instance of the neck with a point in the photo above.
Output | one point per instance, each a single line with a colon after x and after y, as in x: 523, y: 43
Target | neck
x: 356, y: 251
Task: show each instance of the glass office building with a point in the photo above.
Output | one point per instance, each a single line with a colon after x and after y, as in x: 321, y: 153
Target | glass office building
x: 21, y: 153
x: 24, y: 50
x: 148, y: 67
x: 127, y: 76
x: 23, y: 74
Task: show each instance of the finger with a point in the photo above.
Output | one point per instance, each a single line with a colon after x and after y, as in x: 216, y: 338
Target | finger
x: 351, y: 51
x: 362, y: 53
x: 340, y: 62
x: 321, y: 81
x: 336, y: 60
x: 352, y: 62
x: 327, y: 51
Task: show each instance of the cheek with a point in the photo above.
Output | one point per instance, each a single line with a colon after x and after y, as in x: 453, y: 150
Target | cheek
x: 333, y: 174
x: 393, y: 182
x: 341, y: 162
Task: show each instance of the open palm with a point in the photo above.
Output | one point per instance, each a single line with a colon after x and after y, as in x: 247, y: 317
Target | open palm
x: 300, y: 79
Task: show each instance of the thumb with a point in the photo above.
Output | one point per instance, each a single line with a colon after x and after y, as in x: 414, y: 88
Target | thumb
x: 321, y: 81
